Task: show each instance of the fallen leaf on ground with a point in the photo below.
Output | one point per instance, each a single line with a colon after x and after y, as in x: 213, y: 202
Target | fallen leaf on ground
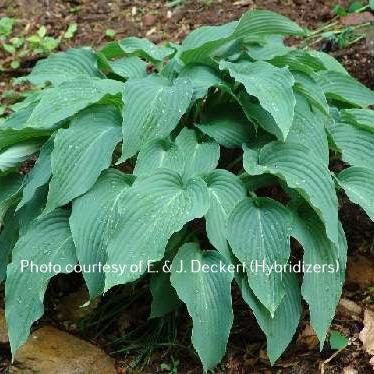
x: 367, y: 333
x: 308, y: 337
x: 349, y: 308
x: 149, y: 20
x: 349, y: 370
x: 357, y: 18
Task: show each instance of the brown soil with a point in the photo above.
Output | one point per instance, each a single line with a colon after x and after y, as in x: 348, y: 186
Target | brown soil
x: 158, y: 22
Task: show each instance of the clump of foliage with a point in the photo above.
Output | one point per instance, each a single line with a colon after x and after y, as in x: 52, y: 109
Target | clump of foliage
x: 17, y: 45
x: 138, y: 141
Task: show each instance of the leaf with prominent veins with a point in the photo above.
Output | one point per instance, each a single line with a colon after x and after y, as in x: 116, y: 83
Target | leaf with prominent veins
x: 152, y: 109
x: 154, y: 208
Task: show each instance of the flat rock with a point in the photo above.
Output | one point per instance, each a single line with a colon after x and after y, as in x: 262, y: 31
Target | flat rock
x: 49, y: 350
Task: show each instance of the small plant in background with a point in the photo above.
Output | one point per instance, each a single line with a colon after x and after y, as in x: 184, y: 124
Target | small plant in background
x: 354, y: 7
x: 19, y: 44
x: 110, y: 33
x: 203, y: 168
x: 171, y: 368
x: 339, y: 33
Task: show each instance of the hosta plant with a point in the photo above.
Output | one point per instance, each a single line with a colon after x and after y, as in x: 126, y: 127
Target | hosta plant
x: 190, y: 167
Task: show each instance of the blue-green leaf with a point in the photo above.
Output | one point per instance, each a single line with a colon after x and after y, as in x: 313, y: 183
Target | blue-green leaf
x: 272, y: 86
x: 358, y: 184
x: 199, y: 157
x: 129, y: 67
x: 259, y: 235
x: 324, y: 277
x: 145, y: 49
x: 154, y: 208
x: 39, y: 174
x: 225, y: 191
x: 356, y: 145
x: 81, y: 153
x: 280, y: 328
x: 302, y: 171
x: 342, y: 87
x: 60, y: 103
x: 153, y: 108
x: 49, y: 240
x: 164, y: 296
x: 94, y: 219
x: 207, y: 296
x: 65, y: 66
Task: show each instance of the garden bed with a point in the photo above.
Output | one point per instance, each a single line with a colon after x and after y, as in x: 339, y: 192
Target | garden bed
x: 246, y: 350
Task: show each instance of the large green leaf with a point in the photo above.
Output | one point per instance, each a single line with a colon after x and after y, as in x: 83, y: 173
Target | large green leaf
x: 161, y: 153
x: 144, y: 48
x: 265, y: 22
x: 129, y: 67
x: 17, y: 154
x: 59, y: 103
x: 259, y: 116
x: 82, y: 152
x: 202, y: 78
x: 39, y: 174
x: 272, y: 86
x: 308, y: 129
x: 356, y: 145
x: 8, y: 238
x: 309, y: 88
x: 328, y: 61
x: 358, y: 184
x: 48, y: 241
x: 153, y: 108
x: 201, y: 43
x: 363, y: 118
x: 155, y: 207
x: 342, y: 87
x: 9, y: 136
x: 110, y: 51
x: 303, y: 171
x: 200, y: 157
x: 280, y: 328
x: 164, y: 296
x: 227, y: 125
x: 324, y: 268
x: 10, y: 187
x: 65, y: 66
x: 271, y: 47
x: 205, y: 42
x: 225, y: 191
x: 32, y: 209
x: 298, y: 61
x: 188, y: 156
x: 259, y: 235
x: 94, y: 219
x: 207, y: 296
x: 17, y: 120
